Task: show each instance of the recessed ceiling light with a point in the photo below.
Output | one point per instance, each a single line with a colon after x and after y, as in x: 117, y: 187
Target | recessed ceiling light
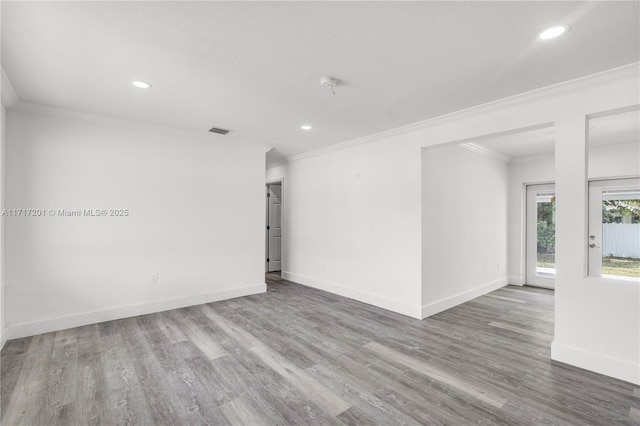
x: 306, y: 127
x: 141, y: 84
x: 553, y: 32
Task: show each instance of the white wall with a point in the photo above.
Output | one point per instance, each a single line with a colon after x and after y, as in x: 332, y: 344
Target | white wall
x: 464, y: 226
x: 621, y: 160
x: 196, y: 218
x: 597, y: 323
x: 604, y: 162
x: 353, y: 216
x: 350, y: 222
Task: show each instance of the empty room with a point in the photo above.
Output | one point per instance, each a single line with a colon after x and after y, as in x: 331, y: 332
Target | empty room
x: 320, y: 212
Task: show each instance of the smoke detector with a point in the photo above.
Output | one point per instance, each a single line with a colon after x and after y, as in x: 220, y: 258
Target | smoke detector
x: 329, y: 82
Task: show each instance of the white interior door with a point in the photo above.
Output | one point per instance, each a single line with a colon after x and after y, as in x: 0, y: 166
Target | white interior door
x: 274, y: 227
x: 614, y: 228
x: 540, y: 235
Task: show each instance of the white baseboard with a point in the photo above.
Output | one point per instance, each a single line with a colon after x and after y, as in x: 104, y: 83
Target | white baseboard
x: 359, y: 295
x: 516, y: 281
x: 457, y: 299
x: 609, y: 366
x: 3, y: 338
x: 17, y: 331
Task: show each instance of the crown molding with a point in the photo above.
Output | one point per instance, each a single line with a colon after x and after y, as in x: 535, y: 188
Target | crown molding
x: 487, y: 152
x: 61, y: 113
x: 626, y: 71
x: 9, y: 97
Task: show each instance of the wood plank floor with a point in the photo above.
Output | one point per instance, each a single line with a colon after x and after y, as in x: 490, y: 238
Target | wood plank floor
x: 298, y: 356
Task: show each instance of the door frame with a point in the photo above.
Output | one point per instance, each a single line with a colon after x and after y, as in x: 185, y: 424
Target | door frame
x: 543, y: 282
x: 282, y: 220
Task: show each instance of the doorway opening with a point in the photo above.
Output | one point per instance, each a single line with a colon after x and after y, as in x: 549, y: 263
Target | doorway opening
x: 273, y: 246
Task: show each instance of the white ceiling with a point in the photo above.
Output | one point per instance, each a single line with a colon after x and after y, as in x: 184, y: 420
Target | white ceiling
x: 254, y: 67
x: 522, y: 144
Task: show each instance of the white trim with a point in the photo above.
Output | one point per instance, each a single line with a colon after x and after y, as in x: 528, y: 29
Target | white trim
x: 472, y: 142
x: 397, y: 306
x: 601, y: 179
x: 510, y: 101
x: 531, y: 271
x: 478, y: 149
x: 609, y: 366
x: 62, y: 323
x: 542, y: 285
x: 282, y: 232
x: 516, y: 281
x: 615, y: 111
x: 9, y: 97
x: 3, y: 338
x: 458, y: 299
x: 32, y: 108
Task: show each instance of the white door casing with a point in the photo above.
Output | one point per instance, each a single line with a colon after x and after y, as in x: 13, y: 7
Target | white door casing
x: 541, y: 277
x: 274, y: 227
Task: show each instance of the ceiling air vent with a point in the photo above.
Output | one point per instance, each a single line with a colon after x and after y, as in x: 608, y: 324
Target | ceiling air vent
x: 219, y: 130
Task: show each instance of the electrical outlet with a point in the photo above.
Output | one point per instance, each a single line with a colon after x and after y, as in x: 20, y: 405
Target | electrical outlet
x: 155, y: 278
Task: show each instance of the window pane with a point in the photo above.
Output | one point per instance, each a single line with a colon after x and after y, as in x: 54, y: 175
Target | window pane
x: 546, y: 264
x: 621, y: 233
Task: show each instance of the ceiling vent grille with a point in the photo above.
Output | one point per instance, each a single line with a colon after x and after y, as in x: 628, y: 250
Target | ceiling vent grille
x: 219, y: 130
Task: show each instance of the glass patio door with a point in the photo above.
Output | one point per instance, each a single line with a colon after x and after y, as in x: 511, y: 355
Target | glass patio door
x: 541, y: 235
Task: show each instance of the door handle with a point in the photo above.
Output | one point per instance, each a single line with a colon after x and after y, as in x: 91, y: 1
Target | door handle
x: 592, y: 245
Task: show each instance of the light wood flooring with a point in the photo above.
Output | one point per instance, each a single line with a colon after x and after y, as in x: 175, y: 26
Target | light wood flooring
x: 296, y: 356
